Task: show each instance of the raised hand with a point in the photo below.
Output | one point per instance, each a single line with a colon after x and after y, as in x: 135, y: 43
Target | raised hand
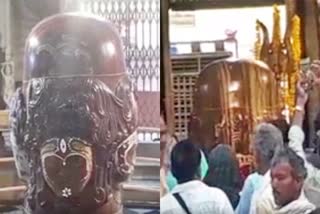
x: 302, y: 92
x: 310, y: 77
x: 315, y: 69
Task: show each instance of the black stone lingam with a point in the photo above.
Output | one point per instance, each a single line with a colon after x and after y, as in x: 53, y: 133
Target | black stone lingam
x: 74, y: 121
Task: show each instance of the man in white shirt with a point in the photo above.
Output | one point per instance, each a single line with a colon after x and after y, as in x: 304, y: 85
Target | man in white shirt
x: 288, y: 172
x: 191, y: 195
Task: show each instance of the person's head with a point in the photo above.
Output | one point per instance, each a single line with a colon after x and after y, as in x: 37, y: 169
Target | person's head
x: 185, y: 161
x: 267, y: 139
x: 224, y: 172
x: 287, y: 176
x: 283, y: 126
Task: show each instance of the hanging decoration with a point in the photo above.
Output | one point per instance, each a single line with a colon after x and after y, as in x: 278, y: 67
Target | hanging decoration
x: 282, y: 55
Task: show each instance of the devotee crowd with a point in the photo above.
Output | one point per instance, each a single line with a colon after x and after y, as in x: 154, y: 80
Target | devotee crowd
x: 285, y: 179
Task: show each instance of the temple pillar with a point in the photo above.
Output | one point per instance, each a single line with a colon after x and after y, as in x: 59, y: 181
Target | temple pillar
x: 166, y: 70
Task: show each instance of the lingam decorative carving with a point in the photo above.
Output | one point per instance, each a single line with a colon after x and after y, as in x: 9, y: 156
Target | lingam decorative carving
x: 74, y: 122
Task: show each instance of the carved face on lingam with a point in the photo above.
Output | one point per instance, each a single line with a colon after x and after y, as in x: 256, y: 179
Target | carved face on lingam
x: 74, y: 122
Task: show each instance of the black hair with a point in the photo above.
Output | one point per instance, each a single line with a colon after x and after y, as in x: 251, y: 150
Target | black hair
x: 185, y: 161
x: 224, y: 172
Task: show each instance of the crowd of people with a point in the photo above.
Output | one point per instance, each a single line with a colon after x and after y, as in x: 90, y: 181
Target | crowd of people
x: 285, y: 179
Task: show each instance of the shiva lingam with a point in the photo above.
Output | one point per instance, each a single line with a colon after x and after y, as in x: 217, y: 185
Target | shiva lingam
x: 230, y: 98
x: 74, y: 121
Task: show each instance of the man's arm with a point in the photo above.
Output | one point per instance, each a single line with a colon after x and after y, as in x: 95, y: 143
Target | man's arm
x: 296, y: 135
